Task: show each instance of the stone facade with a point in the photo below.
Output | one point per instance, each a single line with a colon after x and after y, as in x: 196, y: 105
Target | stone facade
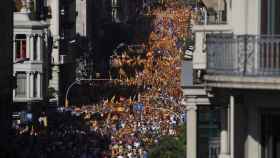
x: 30, y: 58
x: 246, y: 99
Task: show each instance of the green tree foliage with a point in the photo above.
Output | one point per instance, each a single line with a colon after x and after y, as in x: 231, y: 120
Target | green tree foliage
x: 170, y: 147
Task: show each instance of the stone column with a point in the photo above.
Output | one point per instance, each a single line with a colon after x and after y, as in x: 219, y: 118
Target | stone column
x: 199, y: 55
x: 39, y: 48
x: 28, y: 55
x: 224, y: 153
x: 31, y: 45
x: 191, y: 130
x: 32, y: 84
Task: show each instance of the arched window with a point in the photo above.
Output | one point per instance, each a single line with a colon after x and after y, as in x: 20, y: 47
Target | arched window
x: 20, y: 49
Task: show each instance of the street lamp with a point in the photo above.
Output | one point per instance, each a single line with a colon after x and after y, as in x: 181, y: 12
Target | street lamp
x: 77, y: 81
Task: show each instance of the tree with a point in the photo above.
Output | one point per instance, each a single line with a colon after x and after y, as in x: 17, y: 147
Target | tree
x: 170, y: 147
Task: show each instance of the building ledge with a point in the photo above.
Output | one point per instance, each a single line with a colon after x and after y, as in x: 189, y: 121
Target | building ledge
x: 17, y: 99
x: 242, y: 82
x: 212, y: 28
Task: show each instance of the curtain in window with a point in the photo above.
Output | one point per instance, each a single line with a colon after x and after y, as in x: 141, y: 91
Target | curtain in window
x: 21, y: 85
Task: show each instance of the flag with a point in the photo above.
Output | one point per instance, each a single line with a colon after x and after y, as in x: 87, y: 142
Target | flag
x: 66, y: 103
x: 106, y: 101
x: 113, y: 99
x: 129, y: 100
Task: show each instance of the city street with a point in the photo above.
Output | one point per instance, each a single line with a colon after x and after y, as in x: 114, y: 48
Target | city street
x: 124, y: 124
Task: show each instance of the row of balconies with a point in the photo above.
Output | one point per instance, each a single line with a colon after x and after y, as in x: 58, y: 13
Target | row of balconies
x: 223, y: 59
x: 238, y: 61
x: 243, y: 55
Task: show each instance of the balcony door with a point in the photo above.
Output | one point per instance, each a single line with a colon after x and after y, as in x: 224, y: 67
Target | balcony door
x: 270, y: 16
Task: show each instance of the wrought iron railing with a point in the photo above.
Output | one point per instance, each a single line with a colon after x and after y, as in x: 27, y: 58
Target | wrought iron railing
x: 243, y: 55
x: 214, y: 147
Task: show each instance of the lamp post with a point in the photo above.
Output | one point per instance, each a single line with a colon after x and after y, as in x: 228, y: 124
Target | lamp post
x: 77, y: 81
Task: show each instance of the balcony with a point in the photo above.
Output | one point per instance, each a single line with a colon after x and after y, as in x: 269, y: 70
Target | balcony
x: 210, y: 17
x: 243, y: 61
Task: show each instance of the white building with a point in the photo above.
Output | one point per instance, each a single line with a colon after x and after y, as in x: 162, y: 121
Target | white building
x: 236, y: 65
x: 31, y: 58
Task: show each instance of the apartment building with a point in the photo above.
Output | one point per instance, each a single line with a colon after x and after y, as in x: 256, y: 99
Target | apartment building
x: 6, y: 69
x: 235, y: 80
x: 30, y: 57
x: 71, y: 28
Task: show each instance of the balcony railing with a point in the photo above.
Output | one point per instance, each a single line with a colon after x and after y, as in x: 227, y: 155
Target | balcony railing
x: 243, y: 55
x: 211, y: 17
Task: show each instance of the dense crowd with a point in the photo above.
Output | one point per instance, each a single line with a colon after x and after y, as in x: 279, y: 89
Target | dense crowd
x: 123, y: 126
x: 137, y: 122
x: 66, y: 135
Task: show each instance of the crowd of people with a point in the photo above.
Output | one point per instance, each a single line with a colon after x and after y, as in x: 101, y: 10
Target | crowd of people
x: 122, y: 126
x: 65, y: 135
x: 137, y: 122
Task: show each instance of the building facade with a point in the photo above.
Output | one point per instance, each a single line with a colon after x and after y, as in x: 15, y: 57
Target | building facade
x: 71, y: 24
x: 6, y: 75
x: 236, y: 72
x: 30, y: 58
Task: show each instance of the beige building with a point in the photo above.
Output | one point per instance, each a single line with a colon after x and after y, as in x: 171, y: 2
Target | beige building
x: 236, y: 67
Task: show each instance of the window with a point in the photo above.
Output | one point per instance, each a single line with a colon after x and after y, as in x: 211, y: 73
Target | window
x: 20, y: 47
x: 115, y: 9
x: 35, y: 47
x: 114, y: 14
x: 115, y: 3
x: 35, y: 85
x: 21, y: 84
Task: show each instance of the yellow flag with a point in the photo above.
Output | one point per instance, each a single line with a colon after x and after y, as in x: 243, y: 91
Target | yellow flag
x: 113, y: 99
x: 129, y: 100
x: 106, y: 101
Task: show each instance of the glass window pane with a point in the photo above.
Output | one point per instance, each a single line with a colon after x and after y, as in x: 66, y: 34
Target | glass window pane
x: 20, y: 46
x: 35, y: 48
x: 35, y: 85
x: 23, y: 49
x: 17, y: 49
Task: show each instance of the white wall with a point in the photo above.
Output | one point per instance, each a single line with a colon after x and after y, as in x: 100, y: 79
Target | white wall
x: 245, y: 16
x: 54, y: 27
x: 81, y: 19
